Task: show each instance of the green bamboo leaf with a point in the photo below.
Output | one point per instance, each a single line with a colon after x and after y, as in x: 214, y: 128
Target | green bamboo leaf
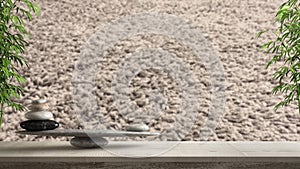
x: 29, y: 16
x: 12, y: 46
x: 285, y: 49
x: 16, y: 20
x: 261, y: 33
x: 36, y: 9
x: 266, y: 45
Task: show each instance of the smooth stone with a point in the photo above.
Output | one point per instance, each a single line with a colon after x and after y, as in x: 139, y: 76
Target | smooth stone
x: 39, y: 107
x: 86, y: 142
x: 137, y: 127
x: 39, y: 115
x: 39, y: 125
x: 88, y: 133
x: 40, y: 101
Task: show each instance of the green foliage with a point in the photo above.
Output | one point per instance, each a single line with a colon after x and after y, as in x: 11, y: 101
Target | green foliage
x: 12, y: 45
x: 285, y: 50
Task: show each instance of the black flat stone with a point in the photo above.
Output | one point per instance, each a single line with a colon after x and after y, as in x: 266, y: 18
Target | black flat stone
x: 39, y: 125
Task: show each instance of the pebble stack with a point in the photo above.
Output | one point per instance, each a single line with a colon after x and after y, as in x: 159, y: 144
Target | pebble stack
x: 39, y: 117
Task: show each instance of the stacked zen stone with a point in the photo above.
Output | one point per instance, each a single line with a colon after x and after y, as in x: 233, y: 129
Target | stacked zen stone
x: 39, y: 117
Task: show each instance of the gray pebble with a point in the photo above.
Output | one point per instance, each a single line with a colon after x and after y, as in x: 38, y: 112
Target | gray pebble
x: 86, y: 142
x: 39, y: 115
x: 40, y: 101
x: 39, y: 107
x: 137, y: 127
